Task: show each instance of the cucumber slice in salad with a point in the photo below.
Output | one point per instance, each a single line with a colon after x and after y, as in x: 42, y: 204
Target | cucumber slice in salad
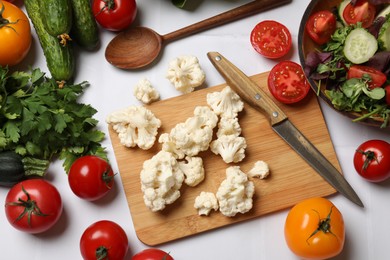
x: 360, y: 46
x: 384, y: 35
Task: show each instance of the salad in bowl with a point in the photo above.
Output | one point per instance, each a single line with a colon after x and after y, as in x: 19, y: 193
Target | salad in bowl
x: 345, y: 53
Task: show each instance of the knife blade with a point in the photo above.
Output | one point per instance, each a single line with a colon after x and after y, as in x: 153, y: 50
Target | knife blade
x: 247, y: 89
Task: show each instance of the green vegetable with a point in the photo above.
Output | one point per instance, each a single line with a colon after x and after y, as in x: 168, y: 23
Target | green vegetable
x: 360, y: 46
x: 14, y: 168
x: 40, y: 120
x: 84, y: 29
x: 56, y: 17
x: 179, y: 3
x: 384, y: 35
x: 59, y: 59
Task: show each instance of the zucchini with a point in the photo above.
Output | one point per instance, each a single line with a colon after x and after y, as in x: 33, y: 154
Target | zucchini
x: 84, y: 29
x: 360, y: 46
x: 57, y: 17
x: 59, y: 59
x: 14, y: 168
x: 384, y: 35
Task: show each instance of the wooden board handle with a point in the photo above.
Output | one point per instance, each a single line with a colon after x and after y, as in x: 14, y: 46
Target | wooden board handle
x: 246, y: 88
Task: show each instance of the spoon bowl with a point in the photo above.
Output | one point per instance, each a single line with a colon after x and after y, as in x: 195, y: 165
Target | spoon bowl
x: 138, y: 47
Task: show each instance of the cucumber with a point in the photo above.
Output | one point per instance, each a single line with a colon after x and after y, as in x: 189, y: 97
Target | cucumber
x: 384, y: 12
x: 59, y: 59
x: 56, y: 17
x: 384, y: 35
x: 84, y: 29
x: 359, y: 46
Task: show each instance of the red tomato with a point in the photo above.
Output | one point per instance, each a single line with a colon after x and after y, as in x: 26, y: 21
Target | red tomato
x: 372, y: 160
x: 362, y: 11
x: 377, y: 78
x: 33, y: 206
x: 320, y: 26
x: 314, y: 229
x: 104, y: 239
x: 15, y: 34
x: 271, y: 39
x: 114, y: 15
x: 152, y: 254
x: 90, y: 177
x: 387, y: 89
x: 287, y: 82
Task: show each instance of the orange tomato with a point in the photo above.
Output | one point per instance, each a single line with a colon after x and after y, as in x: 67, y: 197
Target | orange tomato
x: 314, y: 229
x: 15, y: 34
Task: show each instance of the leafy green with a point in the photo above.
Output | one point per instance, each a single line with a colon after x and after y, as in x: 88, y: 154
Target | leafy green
x: 41, y: 120
x: 179, y: 3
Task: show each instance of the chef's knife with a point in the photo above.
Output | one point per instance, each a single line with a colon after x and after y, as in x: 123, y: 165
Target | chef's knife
x: 256, y: 97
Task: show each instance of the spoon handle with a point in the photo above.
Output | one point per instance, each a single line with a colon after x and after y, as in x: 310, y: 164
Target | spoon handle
x: 245, y: 10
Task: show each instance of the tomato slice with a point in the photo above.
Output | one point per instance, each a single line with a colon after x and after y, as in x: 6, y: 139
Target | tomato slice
x: 271, y: 39
x: 362, y: 11
x: 377, y: 78
x: 320, y: 26
x: 287, y: 82
x: 387, y: 89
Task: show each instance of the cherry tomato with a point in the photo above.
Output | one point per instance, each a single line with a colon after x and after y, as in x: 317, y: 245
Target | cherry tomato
x: 314, y: 229
x: 33, y: 206
x: 320, y: 26
x: 152, y: 254
x: 372, y: 160
x: 287, y: 82
x: 271, y: 39
x: 104, y: 239
x: 362, y: 11
x: 90, y: 177
x: 114, y: 15
x: 387, y: 89
x: 15, y: 34
x: 377, y: 78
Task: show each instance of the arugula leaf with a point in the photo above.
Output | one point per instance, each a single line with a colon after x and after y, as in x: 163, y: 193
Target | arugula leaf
x: 179, y: 3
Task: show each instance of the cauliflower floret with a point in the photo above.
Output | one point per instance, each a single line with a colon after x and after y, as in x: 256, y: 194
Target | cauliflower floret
x: 192, y: 136
x: 145, y: 92
x: 235, y: 194
x: 260, y: 170
x: 185, y: 73
x: 193, y: 170
x: 230, y: 147
x: 136, y: 126
x: 205, y: 202
x: 228, y: 126
x: 161, y: 180
x: 225, y: 103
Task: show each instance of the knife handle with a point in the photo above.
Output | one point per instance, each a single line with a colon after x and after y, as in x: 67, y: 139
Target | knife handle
x: 246, y: 88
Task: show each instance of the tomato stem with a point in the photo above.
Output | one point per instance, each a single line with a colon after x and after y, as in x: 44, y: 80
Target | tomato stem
x: 323, y: 225
x: 107, y: 178
x: 108, y: 4
x: 101, y: 253
x: 370, y: 156
x: 5, y: 22
x: 30, y: 208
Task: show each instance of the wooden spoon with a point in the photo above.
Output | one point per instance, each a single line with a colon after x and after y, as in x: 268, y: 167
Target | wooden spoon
x: 138, y: 47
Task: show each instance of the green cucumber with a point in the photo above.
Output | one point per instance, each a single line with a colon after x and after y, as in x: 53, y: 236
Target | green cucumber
x: 84, y: 30
x: 59, y: 59
x: 360, y: 46
x: 384, y: 12
x: 56, y: 17
x: 384, y: 35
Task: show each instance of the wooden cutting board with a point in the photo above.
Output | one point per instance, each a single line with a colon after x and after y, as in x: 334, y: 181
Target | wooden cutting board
x: 291, y: 179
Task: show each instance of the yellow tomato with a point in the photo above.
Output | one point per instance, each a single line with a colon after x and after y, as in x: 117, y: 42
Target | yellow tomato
x: 15, y: 34
x: 314, y: 229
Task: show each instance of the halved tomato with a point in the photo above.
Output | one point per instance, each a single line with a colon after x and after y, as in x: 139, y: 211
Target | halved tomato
x: 287, y: 82
x: 377, y: 78
x: 387, y: 89
x: 320, y: 26
x: 362, y: 11
x: 271, y: 39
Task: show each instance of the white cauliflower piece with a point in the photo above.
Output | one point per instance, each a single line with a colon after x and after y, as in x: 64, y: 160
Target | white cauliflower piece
x: 161, y: 180
x: 193, y: 170
x: 230, y: 147
x: 185, y: 73
x: 205, y: 202
x: 192, y: 136
x: 136, y: 126
x: 259, y: 170
x: 235, y: 193
x: 228, y: 126
x: 225, y: 103
x: 145, y: 92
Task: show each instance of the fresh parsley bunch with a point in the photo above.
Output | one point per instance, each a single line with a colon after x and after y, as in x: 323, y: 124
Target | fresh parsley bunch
x: 41, y: 119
